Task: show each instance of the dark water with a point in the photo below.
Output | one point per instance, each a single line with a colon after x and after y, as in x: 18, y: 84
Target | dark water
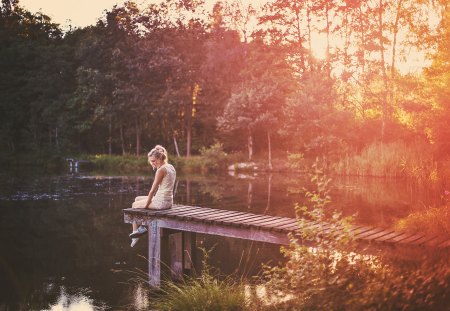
x: 64, y: 246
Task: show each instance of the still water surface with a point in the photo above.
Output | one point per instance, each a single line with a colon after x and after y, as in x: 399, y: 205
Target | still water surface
x: 64, y: 246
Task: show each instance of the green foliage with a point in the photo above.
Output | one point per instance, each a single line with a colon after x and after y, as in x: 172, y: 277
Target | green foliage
x: 188, y: 164
x: 126, y: 163
x: 214, y: 157
x: 313, y: 124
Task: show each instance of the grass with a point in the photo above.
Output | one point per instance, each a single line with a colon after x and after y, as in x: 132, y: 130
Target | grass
x: 432, y: 221
x: 204, y: 293
x: 391, y: 160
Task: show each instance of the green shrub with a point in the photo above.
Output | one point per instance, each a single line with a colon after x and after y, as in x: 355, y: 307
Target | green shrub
x: 214, y: 157
x: 188, y: 164
x: 119, y: 163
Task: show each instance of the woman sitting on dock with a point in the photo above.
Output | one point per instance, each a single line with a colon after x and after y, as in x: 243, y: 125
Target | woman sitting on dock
x: 161, y: 193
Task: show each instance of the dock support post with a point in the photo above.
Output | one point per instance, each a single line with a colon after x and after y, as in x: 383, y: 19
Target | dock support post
x: 176, y: 255
x: 189, y: 251
x: 154, y: 253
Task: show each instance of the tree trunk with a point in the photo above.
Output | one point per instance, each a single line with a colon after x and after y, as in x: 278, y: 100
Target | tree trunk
x: 394, y: 51
x: 50, y: 135
x: 122, y: 140
x: 188, y: 114
x: 138, y: 138
x: 250, y: 145
x: 394, y: 40
x: 327, y: 52
x: 269, y: 146
x: 56, y: 138
x: 110, y: 135
x: 308, y: 23
x: 300, y: 39
x: 269, y: 193
x: 363, y: 40
x: 383, y: 68
x: 176, y: 145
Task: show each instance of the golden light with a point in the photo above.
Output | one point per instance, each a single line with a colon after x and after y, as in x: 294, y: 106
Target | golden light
x: 319, y: 45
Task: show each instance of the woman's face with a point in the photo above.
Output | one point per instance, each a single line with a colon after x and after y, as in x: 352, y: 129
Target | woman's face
x: 154, y: 162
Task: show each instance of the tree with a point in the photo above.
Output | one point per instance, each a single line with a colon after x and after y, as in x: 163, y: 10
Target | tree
x: 438, y: 77
x: 312, y: 123
x: 256, y: 103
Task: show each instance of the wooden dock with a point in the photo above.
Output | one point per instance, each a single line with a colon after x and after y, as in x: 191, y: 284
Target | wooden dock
x: 193, y: 219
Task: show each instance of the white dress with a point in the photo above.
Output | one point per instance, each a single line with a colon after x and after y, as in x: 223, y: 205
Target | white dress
x: 164, y: 195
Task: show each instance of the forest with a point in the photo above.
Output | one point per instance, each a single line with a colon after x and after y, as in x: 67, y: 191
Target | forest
x: 307, y: 78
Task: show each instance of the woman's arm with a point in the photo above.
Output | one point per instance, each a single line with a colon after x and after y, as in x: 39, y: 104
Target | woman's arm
x: 158, y: 178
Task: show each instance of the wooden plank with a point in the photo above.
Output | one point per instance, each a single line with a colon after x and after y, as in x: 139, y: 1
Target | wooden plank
x: 233, y: 232
x: 277, y: 224
x: 423, y: 240
x: 378, y: 235
x: 444, y: 244
x: 199, y: 213
x: 257, y: 220
x: 151, y: 212
x: 190, y: 211
x: 401, y: 237
x: 386, y: 238
x: 436, y: 241
x: 201, y: 216
x: 244, y: 221
x: 218, y: 219
x: 226, y: 217
x: 413, y: 238
x: 362, y: 236
x: 360, y: 230
x: 288, y: 226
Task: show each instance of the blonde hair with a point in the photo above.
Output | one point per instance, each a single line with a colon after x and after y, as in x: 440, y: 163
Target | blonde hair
x: 159, y: 152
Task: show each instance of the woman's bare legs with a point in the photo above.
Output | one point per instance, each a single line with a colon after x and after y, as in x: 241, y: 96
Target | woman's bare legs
x: 139, y: 205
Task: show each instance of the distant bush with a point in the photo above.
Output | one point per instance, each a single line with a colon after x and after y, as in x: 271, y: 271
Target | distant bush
x: 188, y: 164
x: 214, y: 157
x: 114, y: 163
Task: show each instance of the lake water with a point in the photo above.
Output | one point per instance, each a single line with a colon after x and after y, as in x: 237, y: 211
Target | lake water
x: 64, y: 245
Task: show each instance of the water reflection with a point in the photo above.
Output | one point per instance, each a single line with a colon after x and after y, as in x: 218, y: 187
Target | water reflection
x: 78, y: 301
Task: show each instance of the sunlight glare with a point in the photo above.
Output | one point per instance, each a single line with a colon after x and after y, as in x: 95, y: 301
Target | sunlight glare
x: 319, y: 45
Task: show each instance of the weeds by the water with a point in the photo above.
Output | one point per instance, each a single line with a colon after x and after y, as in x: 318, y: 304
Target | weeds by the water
x: 432, y: 221
x: 391, y: 160
x: 208, y: 292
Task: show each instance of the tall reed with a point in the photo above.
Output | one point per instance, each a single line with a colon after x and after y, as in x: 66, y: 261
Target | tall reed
x: 391, y: 160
